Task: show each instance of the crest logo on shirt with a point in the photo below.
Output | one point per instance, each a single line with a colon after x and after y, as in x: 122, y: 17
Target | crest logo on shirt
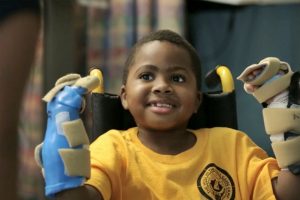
x: 215, y: 183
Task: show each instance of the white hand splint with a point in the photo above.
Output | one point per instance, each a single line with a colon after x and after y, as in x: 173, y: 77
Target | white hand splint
x: 269, y: 68
x: 272, y: 78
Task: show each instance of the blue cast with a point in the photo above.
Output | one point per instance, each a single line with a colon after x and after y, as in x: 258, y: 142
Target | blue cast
x: 65, y: 106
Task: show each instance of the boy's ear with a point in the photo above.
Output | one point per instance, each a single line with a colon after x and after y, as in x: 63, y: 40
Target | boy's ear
x: 198, y: 101
x: 123, y: 97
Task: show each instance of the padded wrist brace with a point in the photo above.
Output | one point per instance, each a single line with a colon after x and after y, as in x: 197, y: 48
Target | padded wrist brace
x: 286, y: 120
x: 64, y: 153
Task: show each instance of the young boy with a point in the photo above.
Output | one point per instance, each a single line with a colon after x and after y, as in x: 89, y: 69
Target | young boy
x: 161, y: 158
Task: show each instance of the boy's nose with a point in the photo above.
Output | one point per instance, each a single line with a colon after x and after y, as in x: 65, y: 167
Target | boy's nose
x: 162, y: 86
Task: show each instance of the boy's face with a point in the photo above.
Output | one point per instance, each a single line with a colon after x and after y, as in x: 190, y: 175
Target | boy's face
x: 161, y: 91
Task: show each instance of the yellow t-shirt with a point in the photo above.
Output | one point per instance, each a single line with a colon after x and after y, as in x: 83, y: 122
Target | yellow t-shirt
x: 223, y: 164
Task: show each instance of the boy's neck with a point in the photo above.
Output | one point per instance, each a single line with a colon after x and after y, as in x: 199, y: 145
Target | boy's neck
x: 167, y: 142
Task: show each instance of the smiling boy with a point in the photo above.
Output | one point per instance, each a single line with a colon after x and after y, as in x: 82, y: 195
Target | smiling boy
x: 161, y: 158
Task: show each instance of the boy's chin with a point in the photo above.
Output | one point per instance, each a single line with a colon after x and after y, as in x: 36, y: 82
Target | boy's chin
x: 164, y: 126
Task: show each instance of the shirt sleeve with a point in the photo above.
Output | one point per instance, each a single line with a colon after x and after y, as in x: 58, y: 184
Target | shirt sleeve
x: 107, y: 164
x: 257, y: 168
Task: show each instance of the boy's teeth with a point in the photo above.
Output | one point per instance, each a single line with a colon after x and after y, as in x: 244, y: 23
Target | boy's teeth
x: 162, y: 105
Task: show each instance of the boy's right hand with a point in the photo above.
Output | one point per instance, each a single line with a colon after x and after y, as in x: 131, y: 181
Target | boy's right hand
x: 64, y: 153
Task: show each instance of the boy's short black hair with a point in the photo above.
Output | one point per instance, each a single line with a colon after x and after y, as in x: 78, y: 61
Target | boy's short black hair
x: 168, y: 36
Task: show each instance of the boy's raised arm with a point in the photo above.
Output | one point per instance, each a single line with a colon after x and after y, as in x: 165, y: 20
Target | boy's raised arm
x: 273, y: 84
x: 64, y: 154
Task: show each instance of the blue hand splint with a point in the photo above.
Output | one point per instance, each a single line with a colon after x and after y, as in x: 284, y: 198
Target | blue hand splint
x: 65, y: 106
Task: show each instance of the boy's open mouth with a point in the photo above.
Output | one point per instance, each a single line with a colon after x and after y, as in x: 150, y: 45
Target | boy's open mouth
x: 161, y: 108
x: 162, y: 105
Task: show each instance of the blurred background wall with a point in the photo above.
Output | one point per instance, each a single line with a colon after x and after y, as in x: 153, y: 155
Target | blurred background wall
x: 78, y: 35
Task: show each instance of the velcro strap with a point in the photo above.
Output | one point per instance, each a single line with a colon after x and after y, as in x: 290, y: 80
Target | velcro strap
x: 280, y: 120
x: 75, y: 133
x: 76, y: 162
x: 269, y: 90
x: 287, y: 152
x: 68, y: 79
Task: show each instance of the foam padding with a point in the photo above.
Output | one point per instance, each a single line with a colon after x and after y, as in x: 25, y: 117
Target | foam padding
x: 75, y: 133
x: 37, y: 155
x: 280, y: 120
x: 267, y: 85
x: 271, y: 67
x: 68, y: 79
x: 287, y: 152
x: 38, y: 158
x: 74, y: 166
x: 88, y: 82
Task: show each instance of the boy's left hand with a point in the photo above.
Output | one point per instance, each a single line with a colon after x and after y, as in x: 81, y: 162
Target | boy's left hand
x: 273, y: 83
x: 266, y: 79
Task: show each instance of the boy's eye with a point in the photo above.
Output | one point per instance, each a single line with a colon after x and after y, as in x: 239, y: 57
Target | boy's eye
x: 146, y: 76
x: 178, y: 78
